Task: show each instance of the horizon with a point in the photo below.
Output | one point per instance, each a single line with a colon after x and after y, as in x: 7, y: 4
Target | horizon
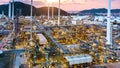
x: 72, y: 5
x: 63, y: 9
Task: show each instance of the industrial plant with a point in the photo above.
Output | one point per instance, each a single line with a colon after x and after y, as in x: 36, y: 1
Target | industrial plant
x: 57, y: 39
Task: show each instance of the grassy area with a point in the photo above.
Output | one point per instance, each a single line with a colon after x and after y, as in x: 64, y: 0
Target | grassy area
x: 6, y: 60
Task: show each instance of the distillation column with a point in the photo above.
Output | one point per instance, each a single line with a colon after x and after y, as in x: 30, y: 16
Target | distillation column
x: 9, y: 10
x: 109, y: 26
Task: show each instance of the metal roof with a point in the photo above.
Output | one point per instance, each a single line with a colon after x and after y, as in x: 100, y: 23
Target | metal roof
x: 77, y: 59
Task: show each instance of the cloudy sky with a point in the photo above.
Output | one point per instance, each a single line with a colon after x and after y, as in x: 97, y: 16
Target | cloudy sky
x: 72, y: 5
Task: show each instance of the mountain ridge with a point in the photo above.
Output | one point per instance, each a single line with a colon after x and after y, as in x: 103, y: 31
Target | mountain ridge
x: 24, y: 9
x: 99, y: 10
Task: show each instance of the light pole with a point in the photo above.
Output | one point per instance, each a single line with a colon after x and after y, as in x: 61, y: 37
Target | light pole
x: 31, y: 19
x: 109, y: 26
x: 59, y: 14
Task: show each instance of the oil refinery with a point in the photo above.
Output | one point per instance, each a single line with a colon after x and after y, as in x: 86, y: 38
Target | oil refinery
x: 59, y: 41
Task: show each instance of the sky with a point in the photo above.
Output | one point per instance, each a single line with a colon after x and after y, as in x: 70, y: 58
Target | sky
x: 72, y: 5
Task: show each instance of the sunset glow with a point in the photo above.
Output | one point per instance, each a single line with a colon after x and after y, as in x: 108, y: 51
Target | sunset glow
x: 72, y: 5
x: 55, y: 1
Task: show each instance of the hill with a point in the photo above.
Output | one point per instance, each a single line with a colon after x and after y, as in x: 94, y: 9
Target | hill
x: 24, y: 9
x: 100, y: 10
x: 44, y: 10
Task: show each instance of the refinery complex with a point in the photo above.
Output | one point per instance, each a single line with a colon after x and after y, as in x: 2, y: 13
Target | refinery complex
x: 59, y: 41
